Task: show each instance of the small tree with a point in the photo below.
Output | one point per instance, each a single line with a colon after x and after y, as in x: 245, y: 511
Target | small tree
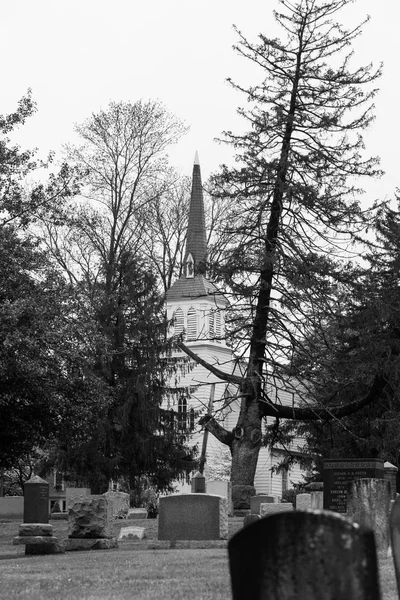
x: 295, y: 210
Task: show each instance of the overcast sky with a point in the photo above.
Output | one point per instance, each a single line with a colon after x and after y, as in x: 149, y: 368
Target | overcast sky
x: 78, y: 55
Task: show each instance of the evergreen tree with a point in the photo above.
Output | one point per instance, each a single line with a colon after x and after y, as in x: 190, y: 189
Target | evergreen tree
x: 295, y: 211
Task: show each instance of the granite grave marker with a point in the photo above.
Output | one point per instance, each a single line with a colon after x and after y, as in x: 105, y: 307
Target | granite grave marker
x: 338, y: 473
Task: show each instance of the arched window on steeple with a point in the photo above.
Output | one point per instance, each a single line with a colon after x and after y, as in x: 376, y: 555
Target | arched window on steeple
x: 191, y: 331
x: 179, y: 322
x: 190, y: 267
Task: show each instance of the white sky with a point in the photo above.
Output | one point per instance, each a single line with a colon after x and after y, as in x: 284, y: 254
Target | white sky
x: 77, y: 55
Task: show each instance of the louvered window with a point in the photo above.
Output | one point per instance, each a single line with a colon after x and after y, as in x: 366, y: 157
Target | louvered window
x: 178, y: 321
x: 211, y: 325
x: 191, y: 324
x: 218, y: 329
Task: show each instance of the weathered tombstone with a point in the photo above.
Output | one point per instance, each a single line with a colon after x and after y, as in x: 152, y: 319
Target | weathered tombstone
x: 249, y: 519
x: 304, y: 556
x: 269, y: 508
x: 198, y: 483
x: 395, y: 537
x: 193, y: 517
x: 390, y: 474
x: 368, y: 504
x: 73, y: 492
x: 337, y: 473
x: 90, y: 524
x: 120, y: 503
x: 256, y: 501
x: 36, y: 500
x: 317, y: 500
x: 90, y: 517
x: 303, y: 501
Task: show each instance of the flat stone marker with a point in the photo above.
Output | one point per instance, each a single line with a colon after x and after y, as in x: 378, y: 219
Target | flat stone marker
x: 127, y: 533
x: 303, y: 556
x: 137, y: 513
x: 278, y: 507
x: 395, y: 537
x: 193, y: 517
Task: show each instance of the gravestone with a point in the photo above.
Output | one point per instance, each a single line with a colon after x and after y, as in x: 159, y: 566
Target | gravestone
x: 303, y: 501
x: 317, y: 500
x: 137, y: 513
x: 256, y: 501
x: 395, y: 538
x: 305, y: 556
x: 120, y: 503
x: 127, y: 533
x: 36, y: 500
x: 269, y: 508
x: 90, y: 517
x: 249, y: 519
x: 221, y: 488
x: 90, y: 524
x: 391, y: 475
x: 198, y: 483
x: 368, y: 503
x: 337, y: 473
x: 193, y: 517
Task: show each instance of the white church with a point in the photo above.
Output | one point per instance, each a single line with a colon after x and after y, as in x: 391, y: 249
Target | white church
x: 197, y: 310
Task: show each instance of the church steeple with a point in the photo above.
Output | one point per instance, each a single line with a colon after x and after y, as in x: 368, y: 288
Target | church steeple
x: 196, y: 243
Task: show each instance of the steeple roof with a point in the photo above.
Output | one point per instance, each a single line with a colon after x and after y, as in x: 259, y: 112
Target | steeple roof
x: 193, y: 283
x: 196, y: 243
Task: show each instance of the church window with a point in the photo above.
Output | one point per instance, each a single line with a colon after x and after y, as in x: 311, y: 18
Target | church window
x: 178, y: 321
x: 191, y: 419
x: 190, y: 266
x: 191, y: 324
x: 182, y: 414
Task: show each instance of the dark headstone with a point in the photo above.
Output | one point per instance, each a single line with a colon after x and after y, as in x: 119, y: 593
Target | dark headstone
x: 193, y: 517
x: 338, y: 473
x: 36, y: 500
x: 303, y: 555
x: 198, y: 483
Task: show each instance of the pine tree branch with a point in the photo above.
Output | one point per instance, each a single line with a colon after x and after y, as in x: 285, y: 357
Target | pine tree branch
x: 318, y: 413
x: 229, y: 377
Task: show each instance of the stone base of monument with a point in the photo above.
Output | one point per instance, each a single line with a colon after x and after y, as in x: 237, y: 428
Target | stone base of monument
x: 90, y: 544
x: 38, y: 539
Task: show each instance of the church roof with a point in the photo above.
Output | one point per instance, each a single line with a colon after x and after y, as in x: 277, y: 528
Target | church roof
x: 191, y: 288
x: 196, y: 243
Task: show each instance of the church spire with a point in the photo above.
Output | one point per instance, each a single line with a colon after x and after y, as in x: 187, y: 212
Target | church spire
x: 196, y: 243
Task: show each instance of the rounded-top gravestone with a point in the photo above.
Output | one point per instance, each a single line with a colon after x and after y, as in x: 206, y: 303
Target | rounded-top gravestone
x: 36, y: 500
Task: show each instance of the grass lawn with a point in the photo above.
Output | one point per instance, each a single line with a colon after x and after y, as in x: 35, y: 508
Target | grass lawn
x: 129, y: 572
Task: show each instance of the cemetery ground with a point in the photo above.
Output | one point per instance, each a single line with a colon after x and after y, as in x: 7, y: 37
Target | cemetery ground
x: 145, y: 569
